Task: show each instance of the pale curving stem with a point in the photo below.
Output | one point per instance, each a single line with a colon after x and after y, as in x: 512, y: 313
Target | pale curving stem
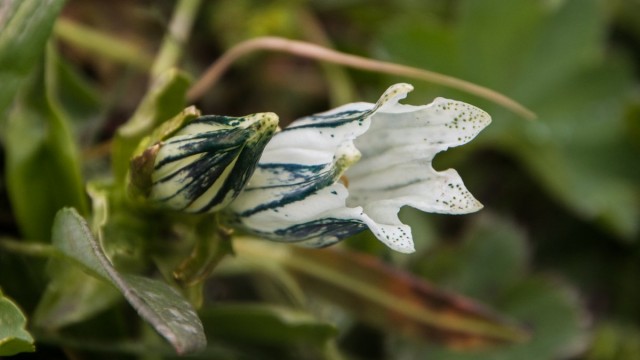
x: 312, y: 51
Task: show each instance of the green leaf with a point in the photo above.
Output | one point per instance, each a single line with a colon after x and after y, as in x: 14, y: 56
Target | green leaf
x: 477, y: 266
x: 81, y: 101
x: 25, y: 26
x: 588, y: 166
x: 552, y: 312
x: 126, y: 231
x: 165, y: 99
x: 14, y: 338
x: 162, y: 306
x: 555, y: 315
x: 265, y: 324
x: 72, y: 296
x: 551, y: 57
x: 48, y: 157
x: 491, y: 264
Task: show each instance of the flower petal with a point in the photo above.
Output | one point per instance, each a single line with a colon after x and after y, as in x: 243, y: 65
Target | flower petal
x: 443, y: 124
x: 297, y: 202
x: 398, y: 150
x: 396, y: 168
x: 300, y: 191
x: 294, y: 194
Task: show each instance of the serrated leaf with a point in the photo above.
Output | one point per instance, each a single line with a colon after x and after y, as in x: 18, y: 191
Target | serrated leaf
x: 14, y: 338
x: 71, y: 296
x: 25, y: 26
x: 159, y: 304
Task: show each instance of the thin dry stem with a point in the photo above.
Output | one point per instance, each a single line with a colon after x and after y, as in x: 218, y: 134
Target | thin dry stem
x: 303, y: 49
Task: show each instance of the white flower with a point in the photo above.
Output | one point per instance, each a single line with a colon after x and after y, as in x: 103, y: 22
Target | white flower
x: 334, y: 174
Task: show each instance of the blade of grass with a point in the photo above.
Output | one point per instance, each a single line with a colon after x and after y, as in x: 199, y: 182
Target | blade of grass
x: 387, y: 297
x: 105, y: 45
x: 176, y: 36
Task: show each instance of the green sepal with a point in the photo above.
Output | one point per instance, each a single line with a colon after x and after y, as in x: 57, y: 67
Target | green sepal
x: 143, y: 161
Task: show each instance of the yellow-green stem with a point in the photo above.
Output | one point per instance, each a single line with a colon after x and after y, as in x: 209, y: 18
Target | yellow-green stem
x: 176, y: 36
x: 29, y: 248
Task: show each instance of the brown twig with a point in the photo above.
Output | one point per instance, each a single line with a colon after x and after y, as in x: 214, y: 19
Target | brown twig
x: 308, y: 50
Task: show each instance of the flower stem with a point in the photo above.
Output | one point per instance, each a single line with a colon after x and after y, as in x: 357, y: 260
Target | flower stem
x: 308, y: 50
x: 176, y: 36
x: 212, y: 244
x: 28, y: 248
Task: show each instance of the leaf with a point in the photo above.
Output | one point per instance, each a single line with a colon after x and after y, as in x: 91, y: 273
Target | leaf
x: 81, y: 102
x: 124, y: 231
x: 71, y: 296
x: 477, y: 266
x: 165, y: 99
x: 554, y: 314
x: 25, y: 26
x: 265, y: 324
x: 388, y: 298
x: 587, y: 166
x: 156, y: 302
x: 49, y: 157
x: 14, y: 338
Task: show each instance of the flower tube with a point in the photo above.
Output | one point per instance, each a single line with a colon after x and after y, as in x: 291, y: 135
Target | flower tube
x: 331, y: 175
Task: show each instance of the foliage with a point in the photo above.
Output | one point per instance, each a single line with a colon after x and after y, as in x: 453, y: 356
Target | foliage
x: 545, y: 271
x: 13, y: 337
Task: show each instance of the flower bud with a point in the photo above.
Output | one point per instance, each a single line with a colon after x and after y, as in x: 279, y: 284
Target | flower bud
x: 203, y: 165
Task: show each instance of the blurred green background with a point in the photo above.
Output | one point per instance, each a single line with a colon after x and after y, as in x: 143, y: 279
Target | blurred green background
x: 557, y: 246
